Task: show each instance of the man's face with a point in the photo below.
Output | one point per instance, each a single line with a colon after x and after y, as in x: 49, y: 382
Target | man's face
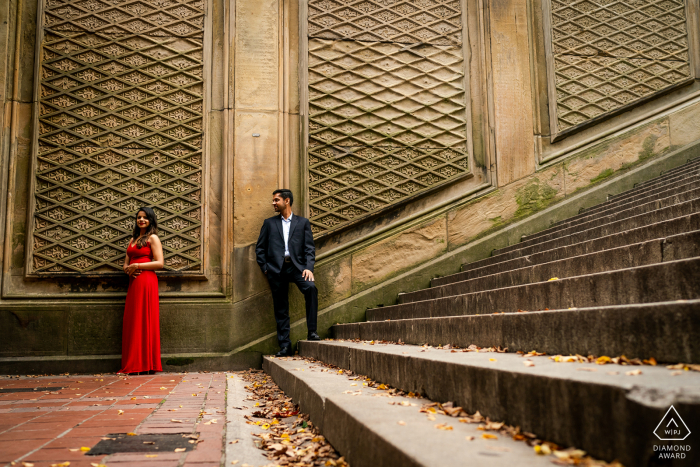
x: 279, y: 203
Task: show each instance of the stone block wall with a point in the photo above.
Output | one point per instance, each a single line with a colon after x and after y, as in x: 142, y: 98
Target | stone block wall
x: 415, y: 134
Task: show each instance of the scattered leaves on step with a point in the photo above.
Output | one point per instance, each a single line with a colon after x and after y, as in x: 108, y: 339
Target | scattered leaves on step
x: 289, y: 437
x: 685, y: 367
x: 443, y: 426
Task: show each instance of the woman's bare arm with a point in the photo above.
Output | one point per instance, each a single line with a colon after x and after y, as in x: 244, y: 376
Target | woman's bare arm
x: 157, y: 250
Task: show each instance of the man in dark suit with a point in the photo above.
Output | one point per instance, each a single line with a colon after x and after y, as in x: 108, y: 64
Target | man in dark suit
x: 286, y: 253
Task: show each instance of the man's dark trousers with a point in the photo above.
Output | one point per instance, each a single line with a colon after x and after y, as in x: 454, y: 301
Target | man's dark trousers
x: 279, y: 284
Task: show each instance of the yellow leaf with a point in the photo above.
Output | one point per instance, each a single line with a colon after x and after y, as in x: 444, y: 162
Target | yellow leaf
x: 443, y: 426
x: 285, y: 435
x: 163, y: 388
x: 180, y: 449
x: 176, y: 421
x: 133, y: 398
x: 382, y: 386
x: 84, y: 449
x: 121, y: 412
x: 151, y: 455
x: 603, y: 360
x: 492, y: 360
x: 265, y: 426
x: 27, y: 464
x: 131, y: 434
x: 301, y: 430
x: 489, y: 436
x: 257, y: 404
x: 553, y: 279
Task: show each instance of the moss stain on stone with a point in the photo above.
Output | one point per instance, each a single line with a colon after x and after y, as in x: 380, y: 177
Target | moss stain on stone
x: 648, y: 147
x: 534, y: 196
x: 603, y: 175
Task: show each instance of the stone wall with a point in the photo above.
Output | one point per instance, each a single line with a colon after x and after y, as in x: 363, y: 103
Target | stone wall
x: 409, y: 131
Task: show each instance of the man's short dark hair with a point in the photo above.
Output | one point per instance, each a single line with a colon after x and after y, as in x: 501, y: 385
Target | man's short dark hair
x: 285, y: 194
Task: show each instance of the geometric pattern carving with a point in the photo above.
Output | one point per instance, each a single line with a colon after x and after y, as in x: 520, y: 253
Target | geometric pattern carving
x: 387, y: 115
x: 120, y: 126
x: 609, y: 54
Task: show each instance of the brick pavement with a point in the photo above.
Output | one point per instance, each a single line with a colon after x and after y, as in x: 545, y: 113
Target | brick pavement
x: 50, y: 425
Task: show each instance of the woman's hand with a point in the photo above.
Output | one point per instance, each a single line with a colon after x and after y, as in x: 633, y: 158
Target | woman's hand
x: 132, y: 270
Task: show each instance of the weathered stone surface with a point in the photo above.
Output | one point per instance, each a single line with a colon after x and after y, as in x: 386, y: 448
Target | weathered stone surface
x: 257, y: 58
x: 515, y: 156
x: 334, y: 282
x: 393, y: 255
x: 616, y: 153
x: 255, y: 166
x: 519, y: 199
x: 684, y: 126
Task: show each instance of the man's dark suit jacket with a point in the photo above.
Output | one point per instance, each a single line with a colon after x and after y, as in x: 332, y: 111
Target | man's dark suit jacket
x: 270, y: 247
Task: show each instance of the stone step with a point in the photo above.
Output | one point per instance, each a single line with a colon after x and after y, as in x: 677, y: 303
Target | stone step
x: 538, y: 255
x: 614, y: 215
x: 647, y: 214
x: 674, y: 280
x: 369, y: 432
x: 644, y: 197
x: 690, y: 165
x: 666, y: 178
x: 602, y: 410
x: 636, y: 331
x: 661, y: 223
x: 685, y: 245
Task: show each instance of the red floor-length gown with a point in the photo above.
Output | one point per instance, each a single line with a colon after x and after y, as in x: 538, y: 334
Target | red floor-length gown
x: 141, y: 330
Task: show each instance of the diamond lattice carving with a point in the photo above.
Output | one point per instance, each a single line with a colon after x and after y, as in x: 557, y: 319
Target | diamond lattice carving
x: 120, y: 126
x: 387, y: 115
x: 608, y: 54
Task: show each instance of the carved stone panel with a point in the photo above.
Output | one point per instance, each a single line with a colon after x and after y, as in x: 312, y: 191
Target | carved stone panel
x: 387, y: 105
x: 120, y: 127
x: 606, y: 55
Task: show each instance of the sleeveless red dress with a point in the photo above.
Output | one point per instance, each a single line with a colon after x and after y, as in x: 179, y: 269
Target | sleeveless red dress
x: 141, y: 329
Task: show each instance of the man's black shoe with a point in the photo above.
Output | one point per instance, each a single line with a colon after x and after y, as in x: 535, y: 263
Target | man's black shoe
x: 285, y: 352
x: 313, y: 337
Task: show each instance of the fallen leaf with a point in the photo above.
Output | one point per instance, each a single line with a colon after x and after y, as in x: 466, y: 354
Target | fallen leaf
x: 176, y: 421
x: 151, y: 455
x: 234, y: 441
x: 131, y: 434
x: 401, y: 422
x: 234, y: 462
x: 180, y: 449
x: 553, y: 279
x: 469, y: 438
x: 603, y: 360
x: 489, y: 436
x: 27, y: 464
x: 586, y: 369
x: 542, y: 450
x: 85, y: 449
x: 528, y: 363
x: 633, y: 372
x: 121, y: 412
x: 492, y: 360
x: 443, y: 426
x: 163, y: 388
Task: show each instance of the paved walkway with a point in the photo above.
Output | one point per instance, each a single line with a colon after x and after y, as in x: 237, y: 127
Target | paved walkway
x: 54, y: 420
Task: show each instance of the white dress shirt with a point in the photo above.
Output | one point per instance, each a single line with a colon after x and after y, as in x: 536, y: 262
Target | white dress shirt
x: 286, y: 224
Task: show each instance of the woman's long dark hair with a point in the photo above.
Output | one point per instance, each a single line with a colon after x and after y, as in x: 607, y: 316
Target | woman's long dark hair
x: 151, y: 230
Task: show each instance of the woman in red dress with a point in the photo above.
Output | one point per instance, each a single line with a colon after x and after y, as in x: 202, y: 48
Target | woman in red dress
x: 141, y: 329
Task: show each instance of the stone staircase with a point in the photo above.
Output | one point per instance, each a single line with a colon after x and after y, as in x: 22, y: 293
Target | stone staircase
x: 619, y: 279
